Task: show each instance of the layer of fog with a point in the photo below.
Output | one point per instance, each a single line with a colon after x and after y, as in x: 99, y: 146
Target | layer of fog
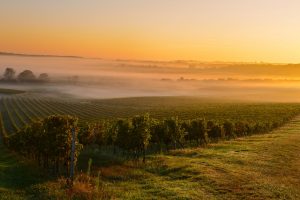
x: 113, y: 79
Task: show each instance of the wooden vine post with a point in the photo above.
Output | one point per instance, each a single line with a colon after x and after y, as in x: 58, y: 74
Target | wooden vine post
x: 72, y: 164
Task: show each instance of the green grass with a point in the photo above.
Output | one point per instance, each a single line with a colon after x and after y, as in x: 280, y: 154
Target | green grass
x: 255, y: 167
x: 17, y: 176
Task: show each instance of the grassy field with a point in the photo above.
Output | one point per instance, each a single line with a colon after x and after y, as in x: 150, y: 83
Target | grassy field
x: 256, y: 167
x: 17, y: 177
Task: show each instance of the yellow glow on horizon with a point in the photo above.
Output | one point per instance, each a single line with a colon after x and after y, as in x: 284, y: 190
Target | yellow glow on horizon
x: 199, y: 30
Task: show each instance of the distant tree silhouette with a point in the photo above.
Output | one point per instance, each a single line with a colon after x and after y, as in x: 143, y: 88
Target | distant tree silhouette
x: 44, y: 77
x: 26, y: 76
x: 9, y: 74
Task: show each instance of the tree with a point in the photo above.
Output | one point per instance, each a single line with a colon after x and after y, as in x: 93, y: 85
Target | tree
x: 26, y: 76
x: 44, y: 77
x: 9, y: 74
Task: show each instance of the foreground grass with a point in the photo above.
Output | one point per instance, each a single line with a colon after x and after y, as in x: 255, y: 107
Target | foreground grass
x: 256, y: 167
x: 17, y: 178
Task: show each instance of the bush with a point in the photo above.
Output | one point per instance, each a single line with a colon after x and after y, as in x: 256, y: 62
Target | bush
x: 174, y: 132
x: 229, y: 129
x: 48, y: 142
x: 216, y: 132
x: 197, y: 131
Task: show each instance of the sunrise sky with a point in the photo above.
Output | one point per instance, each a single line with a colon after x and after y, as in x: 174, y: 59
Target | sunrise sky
x: 207, y: 30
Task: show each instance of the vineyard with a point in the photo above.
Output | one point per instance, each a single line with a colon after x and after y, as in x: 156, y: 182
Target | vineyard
x: 173, y: 126
x: 18, y: 110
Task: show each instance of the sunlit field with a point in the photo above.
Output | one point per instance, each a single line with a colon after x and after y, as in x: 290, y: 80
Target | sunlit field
x: 231, y: 167
x: 148, y: 130
x: 133, y: 100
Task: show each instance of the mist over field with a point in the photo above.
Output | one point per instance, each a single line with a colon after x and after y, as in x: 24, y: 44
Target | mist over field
x: 150, y: 99
x: 99, y: 78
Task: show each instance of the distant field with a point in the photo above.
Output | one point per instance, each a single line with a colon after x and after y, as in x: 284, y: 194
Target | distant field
x: 18, y: 110
x: 10, y: 91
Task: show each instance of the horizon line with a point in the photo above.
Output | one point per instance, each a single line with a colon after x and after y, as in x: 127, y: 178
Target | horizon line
x: 5, y: 53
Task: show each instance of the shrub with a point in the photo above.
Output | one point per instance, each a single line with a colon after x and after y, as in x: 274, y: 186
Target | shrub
x: 198, y: 131
x: 48, y: 142
x: 229, y: 129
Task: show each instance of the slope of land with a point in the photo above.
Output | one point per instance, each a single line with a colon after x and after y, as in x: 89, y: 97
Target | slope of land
x: 5, y: 91
x: 19, y: 110
x: 255, y: 167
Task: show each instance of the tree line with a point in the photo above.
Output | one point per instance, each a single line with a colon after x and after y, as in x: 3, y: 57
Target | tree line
x: 10, y: 75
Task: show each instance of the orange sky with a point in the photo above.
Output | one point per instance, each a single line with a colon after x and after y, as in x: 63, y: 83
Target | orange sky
x: 209, y: 30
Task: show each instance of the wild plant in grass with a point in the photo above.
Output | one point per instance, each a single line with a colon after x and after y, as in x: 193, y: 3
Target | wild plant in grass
x: 97, y: 183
